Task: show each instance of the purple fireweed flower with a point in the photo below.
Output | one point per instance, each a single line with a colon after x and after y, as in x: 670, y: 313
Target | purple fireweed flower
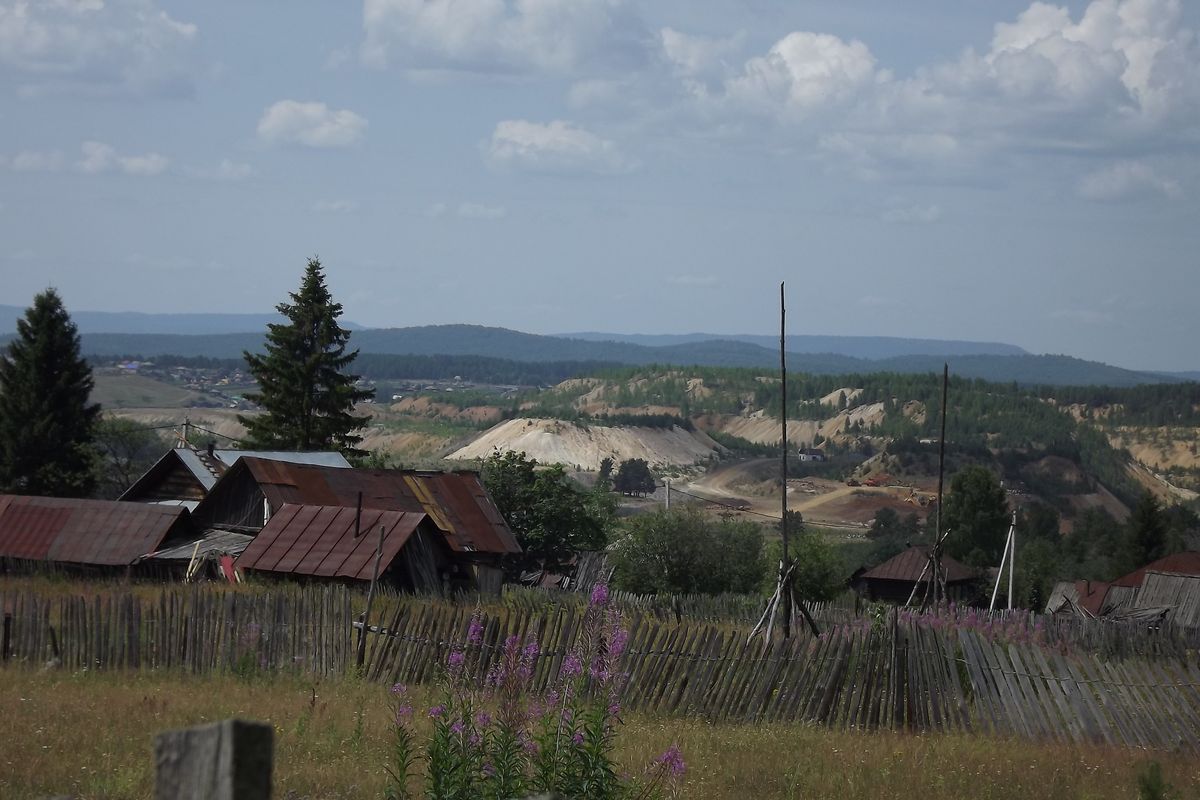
x: 437, y: 711
x: 475, y: 631
x: 617, y: 642
x: 488, y: 770
x: 614, y: 708
x: 552, y: 697
x: 578, y: 737
x: 457, y: 726
x: 483, y: 719
x: 456, y: 659
x: 672, y: 761
x: 398, y: 688
x: 571, y: 666
x: 599, y: 594
x: 403, y: 713
x: 474, y: 739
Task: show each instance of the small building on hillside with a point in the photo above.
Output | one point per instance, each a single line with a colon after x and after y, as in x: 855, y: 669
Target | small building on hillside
x: 253, y: 490
x: 336, y: 544
x: 894, y: 579
x: 102, y: 536
x: 184, y: 475
x: 811, y: 454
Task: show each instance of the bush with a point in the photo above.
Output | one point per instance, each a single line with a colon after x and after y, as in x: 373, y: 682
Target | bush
x: 685, y: 552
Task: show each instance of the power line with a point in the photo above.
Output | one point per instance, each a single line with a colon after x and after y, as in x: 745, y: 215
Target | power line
x: 723, y: 505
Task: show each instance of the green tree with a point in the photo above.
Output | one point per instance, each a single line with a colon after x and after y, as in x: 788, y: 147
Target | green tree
x: 683, y: 551
x: 1147, y: 531
x: 886, y: 523
x: 46, y: 421
x: 634, y: 477
x: 551, y: 515
x: 976, y: 514
x: 126, y: 451
x: 820, y: 573
x: 604, y: 478
x: 304, y: 390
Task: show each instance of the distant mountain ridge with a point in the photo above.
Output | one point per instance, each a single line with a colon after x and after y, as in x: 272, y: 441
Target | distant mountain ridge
x: 140, y: 323
x: 869, y: 347
x: 501, y: 343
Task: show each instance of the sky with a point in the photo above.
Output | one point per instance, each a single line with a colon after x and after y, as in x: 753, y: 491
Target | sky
x: 956, y: 169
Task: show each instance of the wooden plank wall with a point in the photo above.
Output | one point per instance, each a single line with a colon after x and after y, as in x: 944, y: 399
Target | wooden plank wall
x: 1068, y: 683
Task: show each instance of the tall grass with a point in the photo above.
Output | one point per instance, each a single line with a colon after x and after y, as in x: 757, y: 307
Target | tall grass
x: 89, y: 735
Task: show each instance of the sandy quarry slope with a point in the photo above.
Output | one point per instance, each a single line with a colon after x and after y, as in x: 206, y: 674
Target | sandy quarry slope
x: 556, y: 442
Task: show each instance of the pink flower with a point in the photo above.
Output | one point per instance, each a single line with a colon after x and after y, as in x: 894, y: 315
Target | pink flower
x: 483, y: 719
x: 456, y: 659
x: 672, y: 761
x: 475, y: 631
x: 577, y: 738
x: 571, y: 666
x: 399, y: 688
x: 600, y: 594
x: 457, y: 726
x: 437, y: 711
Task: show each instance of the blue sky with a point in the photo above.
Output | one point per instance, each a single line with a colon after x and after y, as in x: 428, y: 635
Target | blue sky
x: 951, y: 169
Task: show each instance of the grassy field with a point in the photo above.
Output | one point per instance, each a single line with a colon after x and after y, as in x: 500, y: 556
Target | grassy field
x: 138, y: 391
x: 89, y: 735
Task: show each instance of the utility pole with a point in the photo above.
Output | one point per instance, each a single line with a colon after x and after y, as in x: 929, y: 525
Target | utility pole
x: 785, y: 573
x: 667, y: 481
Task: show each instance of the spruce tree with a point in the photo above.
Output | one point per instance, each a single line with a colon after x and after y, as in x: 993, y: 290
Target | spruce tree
x: 46, y: 421
x: 304, y: 390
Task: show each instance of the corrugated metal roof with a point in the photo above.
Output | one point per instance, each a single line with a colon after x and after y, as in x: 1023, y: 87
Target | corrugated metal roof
x: 214, y: 541
x: 316, y: 458
x: 319, y: 540
x: 70, y: 531
x: 192, y: 460
x: 457, y: 502
x: 909, y: 565
x: 1186, y: 563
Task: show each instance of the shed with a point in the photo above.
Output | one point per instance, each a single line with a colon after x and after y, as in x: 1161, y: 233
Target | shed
x: 894, y: 579
x: 1178, y: 596
x: 1185, y: 563
x: 175, y: 557
x: 321, y: 542
x: 85, y: 533
x: 254, y: 489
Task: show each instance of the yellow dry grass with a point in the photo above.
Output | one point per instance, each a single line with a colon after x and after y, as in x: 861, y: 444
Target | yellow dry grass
x: 89, y: 735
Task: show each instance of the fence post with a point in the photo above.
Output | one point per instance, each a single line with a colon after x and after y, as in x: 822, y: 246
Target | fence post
x: 4, y: 644
x: 227, y: 760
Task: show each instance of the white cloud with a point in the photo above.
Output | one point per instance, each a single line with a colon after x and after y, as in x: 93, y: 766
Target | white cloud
x: 312, y: 124
x: 232, y: 170
x: 481, y: 211
x: 335, y: 206
x: 699, y: 56
x: 554, y: 146
x: 94, y: 47
x: 491, y: 36
x: 1126, y: 179
x: 437, y: 210
x: 802, y: 72
x: 36, y: 161
x: 99, y: 157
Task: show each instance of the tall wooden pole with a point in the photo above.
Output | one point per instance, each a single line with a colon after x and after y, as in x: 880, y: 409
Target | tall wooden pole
x: 937, y: 538
x: 785, y: 563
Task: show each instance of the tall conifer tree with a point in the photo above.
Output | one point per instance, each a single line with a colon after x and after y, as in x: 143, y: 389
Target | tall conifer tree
x: 46, y: 421
x: 303, y: 387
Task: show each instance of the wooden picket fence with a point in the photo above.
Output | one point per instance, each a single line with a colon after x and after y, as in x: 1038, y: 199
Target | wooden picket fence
x: 892, y: 671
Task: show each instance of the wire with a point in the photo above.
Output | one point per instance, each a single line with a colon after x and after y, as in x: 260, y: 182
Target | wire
x: 723, y: 505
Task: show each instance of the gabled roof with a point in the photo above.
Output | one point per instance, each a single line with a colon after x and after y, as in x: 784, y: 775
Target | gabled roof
x: 205, y: 468
x: 909, y: 565
x: 456, y: 502
x: 1186, y: 563
x: 320, y: 540
x: 103, y: 532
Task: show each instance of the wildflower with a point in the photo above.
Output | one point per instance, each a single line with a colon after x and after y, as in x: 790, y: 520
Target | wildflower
x: 457, y: 727
x: 437, y: 711
x: 672, y: 761
x: 475, y: 739
x: 600, y: 594
x: 403, y: 713
x: 617, y: 642
x: 488, y: 770
x: 483, y: 719
x: 552, y: 698
x: 571, y: 666
x: 614, y: 708
x: 456, y: 659
x: 475, y: 631
x: 577, y: 738
x: 399, y: 688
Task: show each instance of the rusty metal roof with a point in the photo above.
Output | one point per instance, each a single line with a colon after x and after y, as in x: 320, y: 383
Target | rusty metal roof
x: 320, y: 540
x: 69, y: 531
x: 908, y: 566
x: 457, y: 502
x: 1186, y: 563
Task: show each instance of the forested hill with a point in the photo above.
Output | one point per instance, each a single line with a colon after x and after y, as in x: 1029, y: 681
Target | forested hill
x: 868, y: 347
x: 137, y: 322
x: 475, y: 340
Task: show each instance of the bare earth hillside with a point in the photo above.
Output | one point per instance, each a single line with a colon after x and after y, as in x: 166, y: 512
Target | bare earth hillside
x: 555, y: 441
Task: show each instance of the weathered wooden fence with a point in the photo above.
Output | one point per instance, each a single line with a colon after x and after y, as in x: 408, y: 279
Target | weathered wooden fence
x: 1009, y: 675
